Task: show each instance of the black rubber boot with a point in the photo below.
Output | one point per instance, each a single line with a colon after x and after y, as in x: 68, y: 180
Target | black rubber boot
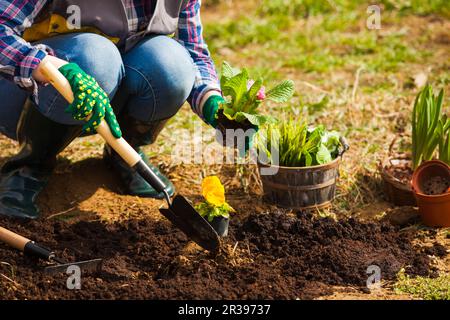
x: 25, y: 175
x: 137, y: 134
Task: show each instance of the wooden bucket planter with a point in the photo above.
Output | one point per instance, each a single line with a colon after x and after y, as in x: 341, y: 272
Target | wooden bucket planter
x: 301, y: 188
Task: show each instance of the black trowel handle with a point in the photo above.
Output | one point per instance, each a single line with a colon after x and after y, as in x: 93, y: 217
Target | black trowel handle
x: 149, y: 176
x: 126, y: 152
x: 25, y: 245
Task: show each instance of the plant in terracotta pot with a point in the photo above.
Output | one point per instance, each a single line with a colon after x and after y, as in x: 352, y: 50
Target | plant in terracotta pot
x: 244, y: 96
x: 306, y: 160
x: 429, y: 127
x: 214, y: 208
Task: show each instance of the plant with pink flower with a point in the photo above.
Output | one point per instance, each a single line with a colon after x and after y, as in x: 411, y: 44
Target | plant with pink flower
x: 244, y: 95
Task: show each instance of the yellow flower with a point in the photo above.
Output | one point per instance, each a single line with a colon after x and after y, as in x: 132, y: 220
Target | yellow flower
x: 213, y: 191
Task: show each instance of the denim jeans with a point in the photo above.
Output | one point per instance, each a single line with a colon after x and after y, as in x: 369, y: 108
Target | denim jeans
x: 150, y: 82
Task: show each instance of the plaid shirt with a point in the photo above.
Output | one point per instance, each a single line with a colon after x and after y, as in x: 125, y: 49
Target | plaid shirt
x: 19, y: 58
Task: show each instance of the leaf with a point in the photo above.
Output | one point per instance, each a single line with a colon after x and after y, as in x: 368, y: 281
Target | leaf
x: 332, y: 142
x: 427, y: 125
x: 282, y: 92
x: 227, y: 73
x: 236, y: 87
x: 255, y: 119
x: 254, y: 89
x: 308, y: 159
x: 323, y: 155
x: 229, y: 112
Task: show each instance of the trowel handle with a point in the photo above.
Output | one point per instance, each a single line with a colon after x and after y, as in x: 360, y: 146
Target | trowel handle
x: 25, y: 245
x: 127, y: 153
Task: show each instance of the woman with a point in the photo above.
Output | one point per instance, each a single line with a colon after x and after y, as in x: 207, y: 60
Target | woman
x: 145, y: 56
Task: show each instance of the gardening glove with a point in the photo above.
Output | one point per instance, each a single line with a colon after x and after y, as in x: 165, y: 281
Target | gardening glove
x: 210, y: 110
x: 89, y: 99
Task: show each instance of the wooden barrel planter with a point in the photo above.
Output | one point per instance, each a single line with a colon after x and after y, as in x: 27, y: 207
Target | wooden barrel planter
x: 301, y: 188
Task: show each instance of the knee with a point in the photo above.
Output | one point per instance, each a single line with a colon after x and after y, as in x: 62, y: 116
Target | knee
x: 100, y: 58
x: 176, y: 74
x: 169, y: 71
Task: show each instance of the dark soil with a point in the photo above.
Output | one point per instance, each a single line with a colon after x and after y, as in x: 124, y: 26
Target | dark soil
x: 436, y: 185
x: 265, y: 256
x: 437, y: 250
x: 223, y: 123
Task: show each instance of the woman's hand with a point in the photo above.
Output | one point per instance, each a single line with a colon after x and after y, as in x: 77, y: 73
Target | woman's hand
x: 211, y: 107
x: 90, y: 102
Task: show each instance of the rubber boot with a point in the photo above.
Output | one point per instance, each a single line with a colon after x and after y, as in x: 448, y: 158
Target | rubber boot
x: 137, y: 134
x: 24, y: 176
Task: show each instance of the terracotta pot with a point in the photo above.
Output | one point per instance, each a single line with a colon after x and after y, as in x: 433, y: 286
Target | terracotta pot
x: 434, y: 209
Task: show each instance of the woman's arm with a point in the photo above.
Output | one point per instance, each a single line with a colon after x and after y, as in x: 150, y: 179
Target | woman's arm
x: 190, y: 35
x: 19, y: 58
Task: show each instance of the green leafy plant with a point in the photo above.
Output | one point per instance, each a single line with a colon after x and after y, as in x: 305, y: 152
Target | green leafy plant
x: 244, y: 95
x: 429, y: 127
x: 297, y: 145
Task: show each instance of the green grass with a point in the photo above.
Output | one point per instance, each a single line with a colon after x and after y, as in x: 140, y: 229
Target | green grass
x: 243, y: 32
x: 332, y: 42
x: 305, y: 8
x: 419, y: 7
x: 424, y: 288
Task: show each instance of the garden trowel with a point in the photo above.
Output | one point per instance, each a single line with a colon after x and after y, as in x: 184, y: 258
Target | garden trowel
x: 180, y: 212
x: 31, y: 248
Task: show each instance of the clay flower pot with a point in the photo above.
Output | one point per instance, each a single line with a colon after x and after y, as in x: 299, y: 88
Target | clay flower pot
x: 430, y: 184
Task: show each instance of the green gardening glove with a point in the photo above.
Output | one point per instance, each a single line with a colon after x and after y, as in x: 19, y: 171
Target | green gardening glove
x: 89, y: 99
x: 210, y: 109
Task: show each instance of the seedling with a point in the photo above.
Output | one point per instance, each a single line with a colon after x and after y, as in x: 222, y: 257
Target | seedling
x: 429, y: 127
x: 244, y: 96
x: 215, y: 204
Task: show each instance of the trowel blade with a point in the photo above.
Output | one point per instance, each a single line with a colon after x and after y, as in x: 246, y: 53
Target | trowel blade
x: 187, y: 219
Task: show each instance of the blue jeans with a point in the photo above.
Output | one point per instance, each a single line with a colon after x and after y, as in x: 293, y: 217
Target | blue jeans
x: 150, y: 82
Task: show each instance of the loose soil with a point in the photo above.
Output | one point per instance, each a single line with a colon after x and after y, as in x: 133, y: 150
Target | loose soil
x: 272, y: 255
x: 436, y: 185
x: 225, y: 124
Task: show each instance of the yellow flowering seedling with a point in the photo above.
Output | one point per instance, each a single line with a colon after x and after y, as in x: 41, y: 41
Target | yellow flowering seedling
x: 215, y: 204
